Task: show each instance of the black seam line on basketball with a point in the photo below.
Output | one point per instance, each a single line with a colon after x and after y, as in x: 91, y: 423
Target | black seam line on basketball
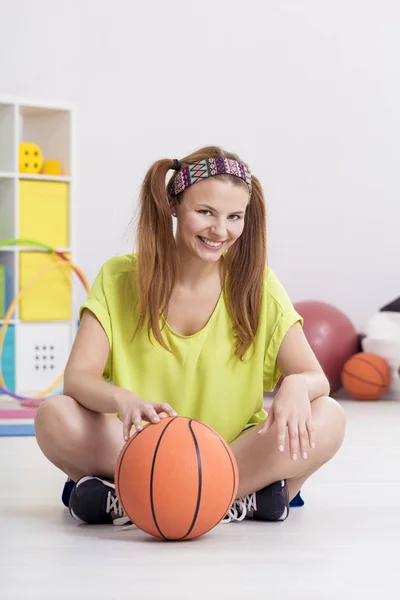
x: 152, y: 474
x: 379, y: 385
x: 371, y: 364
x: 233, y: 468
x: 133, y: 437
x: 200, y: 479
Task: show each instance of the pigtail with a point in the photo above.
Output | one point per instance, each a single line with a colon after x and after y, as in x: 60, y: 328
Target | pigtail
x: 246, y: 263
x: 157, y: 255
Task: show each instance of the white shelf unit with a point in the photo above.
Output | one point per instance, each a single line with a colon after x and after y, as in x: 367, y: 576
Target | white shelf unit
x: 40, y: 347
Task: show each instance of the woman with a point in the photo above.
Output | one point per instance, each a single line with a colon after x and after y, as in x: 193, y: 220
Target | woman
x: 194, y: 324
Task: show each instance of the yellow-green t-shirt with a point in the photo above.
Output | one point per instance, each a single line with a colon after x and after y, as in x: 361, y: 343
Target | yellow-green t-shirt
x: 203, y: 380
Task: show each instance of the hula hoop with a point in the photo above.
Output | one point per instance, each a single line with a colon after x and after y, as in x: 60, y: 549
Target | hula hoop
x: 6, y: 323
x: 13, y: 241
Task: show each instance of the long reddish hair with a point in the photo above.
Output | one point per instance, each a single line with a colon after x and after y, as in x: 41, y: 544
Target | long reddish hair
x: 157, y: 260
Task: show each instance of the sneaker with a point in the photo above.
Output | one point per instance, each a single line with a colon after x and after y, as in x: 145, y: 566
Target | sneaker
x: 269, y: 504
x: 66, y: 493
x: 93, y: 500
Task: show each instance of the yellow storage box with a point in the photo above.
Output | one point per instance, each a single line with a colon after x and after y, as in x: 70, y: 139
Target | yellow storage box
x: 43, y: 212
x: 50, y: 297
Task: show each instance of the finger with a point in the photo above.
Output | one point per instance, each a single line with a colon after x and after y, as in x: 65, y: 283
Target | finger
x: 127, y: 426
x: 294, y: 440
x: 303, y: 439
x: 137, y: 420
x: 149, y: 411
x: 311, y: 432
x: 167, y: 408
x: 267, y: 423
x: 281, y: 433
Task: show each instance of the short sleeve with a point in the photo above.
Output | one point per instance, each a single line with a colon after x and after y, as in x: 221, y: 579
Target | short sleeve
x: 97, y: 303
x: 281, y: 315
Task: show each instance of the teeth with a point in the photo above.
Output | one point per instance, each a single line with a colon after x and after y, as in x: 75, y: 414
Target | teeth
x: 212, y: 244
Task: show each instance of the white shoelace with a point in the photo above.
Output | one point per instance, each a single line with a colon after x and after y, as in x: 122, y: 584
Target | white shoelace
x: 240, y: 508
x: 237, y: 511
x: 114, y: 507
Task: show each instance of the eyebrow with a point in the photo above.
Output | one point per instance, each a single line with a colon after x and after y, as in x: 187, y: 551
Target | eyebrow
x: 235, y: 212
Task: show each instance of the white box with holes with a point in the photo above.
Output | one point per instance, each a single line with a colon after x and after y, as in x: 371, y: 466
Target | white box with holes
x: 42, y: 351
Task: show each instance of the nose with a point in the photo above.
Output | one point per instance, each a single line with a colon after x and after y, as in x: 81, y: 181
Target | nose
x: 218, y: 229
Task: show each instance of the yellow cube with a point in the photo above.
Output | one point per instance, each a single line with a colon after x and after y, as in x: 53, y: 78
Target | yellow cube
x: 50, y: 297
x: 43, y: 212
x: 52, y: 167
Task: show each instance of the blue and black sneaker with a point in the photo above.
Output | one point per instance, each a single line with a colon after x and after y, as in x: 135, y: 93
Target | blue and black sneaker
x: 269, y: 504
x: 93, y: 500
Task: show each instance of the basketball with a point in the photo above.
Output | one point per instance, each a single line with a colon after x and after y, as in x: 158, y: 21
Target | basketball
x: 366, y: 376
x: 176, y: 479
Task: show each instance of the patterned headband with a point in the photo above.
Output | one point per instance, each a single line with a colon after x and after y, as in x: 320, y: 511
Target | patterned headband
x: 206, y: 168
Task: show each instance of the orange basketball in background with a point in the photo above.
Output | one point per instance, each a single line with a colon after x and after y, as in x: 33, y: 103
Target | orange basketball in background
x: 366, y: 376
x: 176, y: 479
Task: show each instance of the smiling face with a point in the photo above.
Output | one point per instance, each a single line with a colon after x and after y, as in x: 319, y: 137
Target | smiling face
x: 210, y: 218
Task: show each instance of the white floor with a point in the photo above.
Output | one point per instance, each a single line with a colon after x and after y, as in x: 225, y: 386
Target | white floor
x: 344, y: 543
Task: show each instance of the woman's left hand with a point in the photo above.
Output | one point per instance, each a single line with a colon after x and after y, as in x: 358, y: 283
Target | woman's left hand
x: 291, y: 411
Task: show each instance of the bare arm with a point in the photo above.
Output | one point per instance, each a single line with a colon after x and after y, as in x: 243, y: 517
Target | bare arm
x: 303, y: 382
x: 299, y: 365
x: 83, y: 374
x: 83, y: 380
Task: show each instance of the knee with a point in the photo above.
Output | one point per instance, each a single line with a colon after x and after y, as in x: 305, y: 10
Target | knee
x: 330, y: 424
x: 52, y: 414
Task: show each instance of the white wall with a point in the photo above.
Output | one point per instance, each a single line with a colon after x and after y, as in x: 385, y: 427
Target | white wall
x: 308, y: 92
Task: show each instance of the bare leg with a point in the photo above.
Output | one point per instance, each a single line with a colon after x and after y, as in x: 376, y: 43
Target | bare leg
x: 261, y: 463
x: 82, y: 442
x: 77, y: 440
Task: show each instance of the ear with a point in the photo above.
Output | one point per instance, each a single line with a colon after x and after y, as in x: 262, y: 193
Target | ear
x: 172, y: 208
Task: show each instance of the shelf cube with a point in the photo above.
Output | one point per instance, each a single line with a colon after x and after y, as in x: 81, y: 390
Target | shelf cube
x: 51, y: 130
x: 42, y: 352
x: 43, y: 212
x: 50, y: 297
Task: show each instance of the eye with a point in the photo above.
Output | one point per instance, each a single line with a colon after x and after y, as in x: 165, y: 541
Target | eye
x: 231, y: 217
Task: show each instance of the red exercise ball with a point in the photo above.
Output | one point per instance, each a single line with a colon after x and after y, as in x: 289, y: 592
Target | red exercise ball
x: 331, y: 335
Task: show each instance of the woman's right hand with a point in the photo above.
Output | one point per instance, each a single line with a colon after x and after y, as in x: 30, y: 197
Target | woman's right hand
x: 133, y: 410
